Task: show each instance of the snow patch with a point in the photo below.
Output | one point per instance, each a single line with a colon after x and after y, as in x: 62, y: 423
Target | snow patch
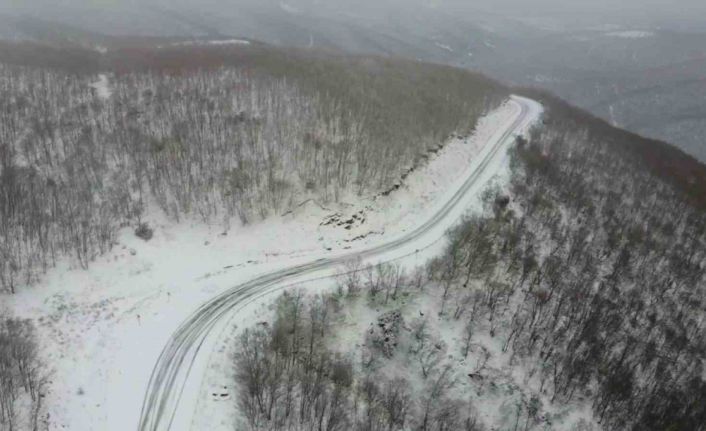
x: 544, y: 79
x: 444, y: 47
x: 613, y: 121
x: 289, y: 8
x: 102, y: 87
x: 228, y: 42
x: 215, y: 42
x: 631, y: 34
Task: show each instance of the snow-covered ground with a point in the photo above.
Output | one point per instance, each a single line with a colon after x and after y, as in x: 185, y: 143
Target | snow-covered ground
x: 102, y: 329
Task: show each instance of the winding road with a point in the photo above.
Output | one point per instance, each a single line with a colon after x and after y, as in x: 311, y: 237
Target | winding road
x: 163, y: 398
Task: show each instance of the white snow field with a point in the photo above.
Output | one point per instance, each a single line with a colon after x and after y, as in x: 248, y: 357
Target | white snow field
x: 103, y: 330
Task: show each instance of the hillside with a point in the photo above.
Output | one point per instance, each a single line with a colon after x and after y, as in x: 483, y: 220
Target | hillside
x: 144, y: 179
x: 137, y: 182
x: 572, y: 300
x: 211, y: 132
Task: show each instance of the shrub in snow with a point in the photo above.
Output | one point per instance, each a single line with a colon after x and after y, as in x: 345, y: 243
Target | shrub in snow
x: 144, y: 231
x: 385, y: 334
x: 502, y: 201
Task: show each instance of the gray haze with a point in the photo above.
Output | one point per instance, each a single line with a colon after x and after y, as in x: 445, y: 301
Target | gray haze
x: 669, y: 13
x: 639, y: 64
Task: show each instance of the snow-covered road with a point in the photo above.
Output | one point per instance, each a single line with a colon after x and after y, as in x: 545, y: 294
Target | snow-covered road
x: 174, y: 386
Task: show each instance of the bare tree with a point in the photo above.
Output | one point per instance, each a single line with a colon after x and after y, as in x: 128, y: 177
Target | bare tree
x: 350, y: 276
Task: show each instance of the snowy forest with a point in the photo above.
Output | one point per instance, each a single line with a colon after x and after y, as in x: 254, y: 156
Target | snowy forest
x: 22, y: 377
x: 573, y: 300
x: 223, y: 136
x: 199, y: 137
x: 580, y: 287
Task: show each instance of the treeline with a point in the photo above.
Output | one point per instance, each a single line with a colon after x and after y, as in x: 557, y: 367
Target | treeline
x: 74, y: 60
x: 214, y: 144
x: 22, y: 377
x: 401, y: 103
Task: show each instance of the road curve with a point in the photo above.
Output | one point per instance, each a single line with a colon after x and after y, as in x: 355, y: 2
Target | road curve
x: 170, y: 373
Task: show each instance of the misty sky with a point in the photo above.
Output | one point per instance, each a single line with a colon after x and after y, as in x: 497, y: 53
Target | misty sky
x: 642, y: 7
x: 566, y: 14
x: 571, y: 4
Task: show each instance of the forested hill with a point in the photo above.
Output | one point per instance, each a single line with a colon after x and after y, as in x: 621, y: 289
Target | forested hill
x: 305, y: 124
x: 664, y: 160
x: 574, y: 300
x: 214, y: 131
x: 585, y: 272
